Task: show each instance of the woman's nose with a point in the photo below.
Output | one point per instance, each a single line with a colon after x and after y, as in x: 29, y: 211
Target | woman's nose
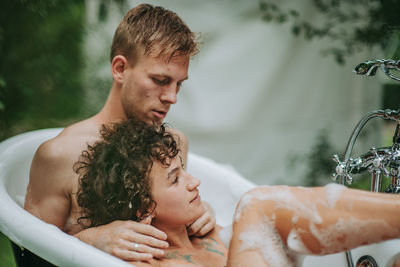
x: 193, y: 182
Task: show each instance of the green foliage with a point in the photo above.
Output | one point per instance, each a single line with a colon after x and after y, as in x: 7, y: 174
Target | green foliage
x: 350, y: 25
x: 391, y: 96
x: 41, y: 64
x: 318, y: 161
x: 6, y: 255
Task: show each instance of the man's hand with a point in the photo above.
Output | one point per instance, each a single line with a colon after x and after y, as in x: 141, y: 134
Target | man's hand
x: 204, y: 224
x: 127, y: 240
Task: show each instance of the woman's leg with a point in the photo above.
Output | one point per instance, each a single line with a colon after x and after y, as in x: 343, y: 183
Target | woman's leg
x: 274, y: 223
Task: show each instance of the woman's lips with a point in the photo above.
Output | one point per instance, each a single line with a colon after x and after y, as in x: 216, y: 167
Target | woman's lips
x: 195, y: 199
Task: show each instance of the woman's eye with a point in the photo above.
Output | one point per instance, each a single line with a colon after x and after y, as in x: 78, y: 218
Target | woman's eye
x: 175, y: 180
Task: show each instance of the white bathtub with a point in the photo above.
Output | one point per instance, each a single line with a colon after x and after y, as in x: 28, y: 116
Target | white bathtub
x: 221, y: 186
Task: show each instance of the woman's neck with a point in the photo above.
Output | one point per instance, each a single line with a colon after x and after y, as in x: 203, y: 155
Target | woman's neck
x: 177, y: 236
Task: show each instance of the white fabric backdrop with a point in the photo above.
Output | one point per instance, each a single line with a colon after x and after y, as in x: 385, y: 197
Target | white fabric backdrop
x: 256, y: 94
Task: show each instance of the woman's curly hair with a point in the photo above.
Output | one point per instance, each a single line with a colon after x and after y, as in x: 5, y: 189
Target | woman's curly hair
x: 113, y: 172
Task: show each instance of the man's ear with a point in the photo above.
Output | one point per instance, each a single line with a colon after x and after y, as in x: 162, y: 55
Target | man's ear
x: 118, y: 65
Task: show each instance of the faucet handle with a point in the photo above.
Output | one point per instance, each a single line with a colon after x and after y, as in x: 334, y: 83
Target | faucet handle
x: 373, y: 151
x: 379, y: 162
x: 341, y: 169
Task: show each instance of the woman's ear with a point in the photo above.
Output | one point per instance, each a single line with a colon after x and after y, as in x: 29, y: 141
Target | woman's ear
x: 118, y: 65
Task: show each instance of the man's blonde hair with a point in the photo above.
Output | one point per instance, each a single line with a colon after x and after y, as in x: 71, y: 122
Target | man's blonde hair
x: 153, y: 31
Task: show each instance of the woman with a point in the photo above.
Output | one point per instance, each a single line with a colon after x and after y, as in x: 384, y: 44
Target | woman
x: 135, y: 173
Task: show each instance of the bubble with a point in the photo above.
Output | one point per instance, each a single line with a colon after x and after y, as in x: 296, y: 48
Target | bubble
x: 263, y: 238
x: 333, y: 192
x: 296, y: 244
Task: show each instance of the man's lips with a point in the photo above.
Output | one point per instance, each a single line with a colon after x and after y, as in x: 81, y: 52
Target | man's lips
x: 160, y: 113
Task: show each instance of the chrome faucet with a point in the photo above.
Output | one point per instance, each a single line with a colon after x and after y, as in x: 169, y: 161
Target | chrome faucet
x: 378, y: 161
x: 384, y: 161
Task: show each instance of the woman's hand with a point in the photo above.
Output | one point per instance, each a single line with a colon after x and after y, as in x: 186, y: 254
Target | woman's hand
x: 204, y: 224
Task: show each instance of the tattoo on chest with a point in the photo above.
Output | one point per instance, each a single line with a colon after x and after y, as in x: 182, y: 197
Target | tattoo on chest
x: 176, y: 255
x: 211, y: 246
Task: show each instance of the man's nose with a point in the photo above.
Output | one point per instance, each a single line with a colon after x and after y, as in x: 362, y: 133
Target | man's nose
x: 168, y: 94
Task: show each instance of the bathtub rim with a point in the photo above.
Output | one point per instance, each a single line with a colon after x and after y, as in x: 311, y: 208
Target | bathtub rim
x: 26, y: 230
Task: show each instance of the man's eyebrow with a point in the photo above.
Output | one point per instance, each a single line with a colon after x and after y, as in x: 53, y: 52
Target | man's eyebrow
x: 161, y: 75
x: 173, y: 171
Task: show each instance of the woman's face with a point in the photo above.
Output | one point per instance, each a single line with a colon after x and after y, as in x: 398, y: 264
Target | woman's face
x: 176, y: 194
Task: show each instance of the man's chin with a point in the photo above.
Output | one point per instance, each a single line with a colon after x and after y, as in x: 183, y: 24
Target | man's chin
x: 147, y: 120
x: 157, y: 122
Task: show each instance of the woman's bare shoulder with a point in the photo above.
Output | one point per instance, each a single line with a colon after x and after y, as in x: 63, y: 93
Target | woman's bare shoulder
x: 212, y: 238
x: 214, y: 233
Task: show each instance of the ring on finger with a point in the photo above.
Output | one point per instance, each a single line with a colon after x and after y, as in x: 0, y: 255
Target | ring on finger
x: 135, y: 246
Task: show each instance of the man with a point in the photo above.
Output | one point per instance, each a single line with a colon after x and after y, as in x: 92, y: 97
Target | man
x: 150, y: 57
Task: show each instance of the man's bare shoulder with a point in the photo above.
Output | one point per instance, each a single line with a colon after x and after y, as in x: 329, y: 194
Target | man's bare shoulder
x: 178, y: 133
x: 72, y: 140
x: 87, y: 129
x: 57, y: 155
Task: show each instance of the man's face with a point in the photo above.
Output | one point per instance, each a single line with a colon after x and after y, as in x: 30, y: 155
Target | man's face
x: 176, y: 194
x: 151, y: 85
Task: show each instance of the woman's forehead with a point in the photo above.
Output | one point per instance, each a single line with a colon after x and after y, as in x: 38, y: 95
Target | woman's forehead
x: 158, y: 169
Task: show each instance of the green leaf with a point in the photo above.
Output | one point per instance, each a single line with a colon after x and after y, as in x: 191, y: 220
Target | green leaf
x: 2, y: 83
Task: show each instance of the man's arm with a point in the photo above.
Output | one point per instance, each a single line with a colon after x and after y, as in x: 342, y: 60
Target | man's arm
x: 48, y: 197
x: 47, y: 194
x: 127, y: 240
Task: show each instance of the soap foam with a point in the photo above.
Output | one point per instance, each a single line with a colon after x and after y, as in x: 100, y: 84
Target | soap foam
x: 284, y: 199
x: 333, y: 192
x: 296, y: 244
x: 263, y: 237
x: 350, y: 231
